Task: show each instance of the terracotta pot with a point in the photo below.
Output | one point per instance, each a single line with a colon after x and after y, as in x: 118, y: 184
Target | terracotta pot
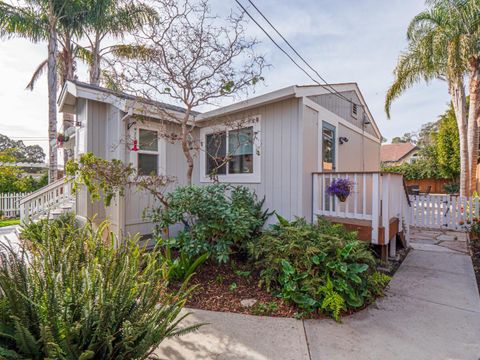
x: 342, y: 198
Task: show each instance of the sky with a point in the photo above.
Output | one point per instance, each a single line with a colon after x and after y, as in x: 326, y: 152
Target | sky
x: 345, y: 40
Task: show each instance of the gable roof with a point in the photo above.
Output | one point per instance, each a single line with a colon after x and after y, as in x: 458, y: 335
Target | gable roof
x: 295, y: 91
x: 130, y: 103
x: 124, y: 101
x: 396, y: 152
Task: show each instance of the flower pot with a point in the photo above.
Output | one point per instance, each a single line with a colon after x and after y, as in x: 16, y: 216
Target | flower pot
x: 342, y: 198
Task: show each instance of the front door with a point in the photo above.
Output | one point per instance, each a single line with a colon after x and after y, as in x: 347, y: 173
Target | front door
x: 328, y: 147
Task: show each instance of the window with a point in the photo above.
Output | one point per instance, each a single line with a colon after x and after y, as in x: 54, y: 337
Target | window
x: 231, y: 155
x: 147, y: 156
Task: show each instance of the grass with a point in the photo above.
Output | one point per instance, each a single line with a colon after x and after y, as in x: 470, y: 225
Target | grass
x: 9, y: 222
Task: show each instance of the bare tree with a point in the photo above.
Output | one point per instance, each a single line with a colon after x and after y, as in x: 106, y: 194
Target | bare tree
x: 192, y: 57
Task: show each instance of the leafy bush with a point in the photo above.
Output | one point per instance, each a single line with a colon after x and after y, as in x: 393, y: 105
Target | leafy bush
x: 182, y: 267
x: 217, y: 218
x: 317, y: 266
x: 452, y: 188
x: 41, y: 229
x: 81, y: 297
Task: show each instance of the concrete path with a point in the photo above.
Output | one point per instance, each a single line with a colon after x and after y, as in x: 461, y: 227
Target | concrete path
x: 431, y: 311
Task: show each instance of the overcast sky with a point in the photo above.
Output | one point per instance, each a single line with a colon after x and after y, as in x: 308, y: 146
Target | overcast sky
x: 345, y: 40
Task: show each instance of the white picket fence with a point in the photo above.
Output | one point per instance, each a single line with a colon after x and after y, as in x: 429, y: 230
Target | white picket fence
x: 10, y: 204
x: 443, y: 211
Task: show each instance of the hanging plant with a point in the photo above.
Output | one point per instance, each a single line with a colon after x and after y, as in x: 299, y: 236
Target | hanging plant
x: 61, y: 138
x: 341, y: 188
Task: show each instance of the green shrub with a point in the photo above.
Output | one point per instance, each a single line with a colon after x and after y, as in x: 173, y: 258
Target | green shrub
x: 41, y: 229
x: 317, y: 266
x: 81, y: 297
x: 218, y: 219
x: 182, y: 267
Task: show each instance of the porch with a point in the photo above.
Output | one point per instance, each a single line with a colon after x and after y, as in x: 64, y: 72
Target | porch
x: 378, y: 207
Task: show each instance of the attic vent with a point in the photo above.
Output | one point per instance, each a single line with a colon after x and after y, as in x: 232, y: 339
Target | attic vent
x: 354, y: 110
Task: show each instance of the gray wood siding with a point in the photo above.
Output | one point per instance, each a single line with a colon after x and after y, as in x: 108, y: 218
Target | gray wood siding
x: 310, y: 158
x: 343, y: 108
x: 280, y: 150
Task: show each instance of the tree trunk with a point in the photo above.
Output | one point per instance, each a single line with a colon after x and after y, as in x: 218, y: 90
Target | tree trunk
x: 473, y: 122
x: 186, y: 146
x: 52, y: 98
x: 94, y: 70
x: 457, y: 92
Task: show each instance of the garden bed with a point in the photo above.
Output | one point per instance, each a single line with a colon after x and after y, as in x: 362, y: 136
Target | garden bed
x: 475, y: 253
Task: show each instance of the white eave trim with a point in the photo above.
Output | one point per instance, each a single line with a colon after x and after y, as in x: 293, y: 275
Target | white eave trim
x: 313, y: 105
x: 139, y: 108
x: 244, y: 105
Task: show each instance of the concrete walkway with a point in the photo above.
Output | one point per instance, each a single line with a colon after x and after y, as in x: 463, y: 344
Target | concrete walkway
x: 431, y: 311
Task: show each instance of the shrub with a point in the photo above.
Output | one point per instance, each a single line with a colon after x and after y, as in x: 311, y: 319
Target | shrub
x: 41, y: 229
x: 81, y: 297
x: 317, y: 266
x: 218, y: 219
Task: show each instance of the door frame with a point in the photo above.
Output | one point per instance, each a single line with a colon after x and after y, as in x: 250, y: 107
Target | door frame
x: 334, y: 124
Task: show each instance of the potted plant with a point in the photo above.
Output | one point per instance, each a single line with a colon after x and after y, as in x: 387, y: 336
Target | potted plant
x: 341, y: 188
x: 61, y: 138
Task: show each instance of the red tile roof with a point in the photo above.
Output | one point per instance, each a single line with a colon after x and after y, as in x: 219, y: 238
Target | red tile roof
x: 395, y: 152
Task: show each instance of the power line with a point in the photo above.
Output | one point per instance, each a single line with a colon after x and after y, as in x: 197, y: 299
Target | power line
x: 300, y: 56
x: 326, y: 86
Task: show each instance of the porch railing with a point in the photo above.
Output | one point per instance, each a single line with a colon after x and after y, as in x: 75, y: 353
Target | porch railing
x: 10, y: 204
x: 46, y: 199
x: 376, y: 197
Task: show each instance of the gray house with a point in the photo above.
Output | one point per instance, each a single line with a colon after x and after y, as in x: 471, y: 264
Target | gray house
x: 289, y: 145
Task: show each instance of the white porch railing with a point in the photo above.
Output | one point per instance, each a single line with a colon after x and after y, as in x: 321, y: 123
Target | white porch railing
x: 443, y: 211
x: 10, y: 204
x: 46, y: 199
x: 376, y: 197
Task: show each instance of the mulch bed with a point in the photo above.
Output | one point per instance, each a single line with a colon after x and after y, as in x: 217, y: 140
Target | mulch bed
x: 223, y: 287
x: 475, y: 252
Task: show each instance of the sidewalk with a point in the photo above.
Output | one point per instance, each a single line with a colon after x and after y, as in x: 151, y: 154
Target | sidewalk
x: 431, y: 311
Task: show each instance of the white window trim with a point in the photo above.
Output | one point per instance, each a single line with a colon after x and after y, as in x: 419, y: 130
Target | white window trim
x: 162, y: 147
x: 250, y: 178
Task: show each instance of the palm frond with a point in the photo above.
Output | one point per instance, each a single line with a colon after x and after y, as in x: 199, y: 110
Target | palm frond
x: 41, y: 68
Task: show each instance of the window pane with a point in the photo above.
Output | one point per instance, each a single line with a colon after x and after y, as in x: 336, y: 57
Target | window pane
x: 240, y: 149
x: 148, y: 140
x: 328, y: 148
x: 147, y: 164
x: 216, y: 151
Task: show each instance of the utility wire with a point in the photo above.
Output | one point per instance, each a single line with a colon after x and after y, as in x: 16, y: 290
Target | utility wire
x: 326, y: 86
x: 300, y: 56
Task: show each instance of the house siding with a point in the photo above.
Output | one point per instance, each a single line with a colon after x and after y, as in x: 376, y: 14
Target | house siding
x: 343, y: 108
x: 280, y: 149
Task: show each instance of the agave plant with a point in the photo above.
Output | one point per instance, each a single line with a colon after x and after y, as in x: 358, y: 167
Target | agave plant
x: 81, y: 297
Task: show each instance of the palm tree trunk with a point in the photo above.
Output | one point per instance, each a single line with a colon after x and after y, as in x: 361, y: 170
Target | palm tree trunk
x: 457, y: 92
x: 52, y: 99
x: 473, y: 121
x: 94, y: 70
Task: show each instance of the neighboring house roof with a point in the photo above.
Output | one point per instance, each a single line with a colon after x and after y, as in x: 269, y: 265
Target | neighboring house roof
x: 396, y: 152
x: 129, y: 103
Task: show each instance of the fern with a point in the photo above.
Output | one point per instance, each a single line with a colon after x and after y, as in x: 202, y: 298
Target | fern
x: 332, y: 302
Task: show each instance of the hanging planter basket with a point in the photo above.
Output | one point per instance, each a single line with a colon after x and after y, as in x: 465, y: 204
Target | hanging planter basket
x: 341, y: 188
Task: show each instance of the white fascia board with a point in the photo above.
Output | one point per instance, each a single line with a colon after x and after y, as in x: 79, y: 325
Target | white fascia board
x: 273, y: 96
x: 321, y: 90
x: 313, y: 105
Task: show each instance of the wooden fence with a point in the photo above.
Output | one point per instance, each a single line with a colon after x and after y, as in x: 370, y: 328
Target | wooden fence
x: 10, y: 204
x: 443, y: 211
x: 436, y: 185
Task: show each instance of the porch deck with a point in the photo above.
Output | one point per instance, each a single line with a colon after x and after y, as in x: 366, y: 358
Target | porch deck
x: 378, y: 207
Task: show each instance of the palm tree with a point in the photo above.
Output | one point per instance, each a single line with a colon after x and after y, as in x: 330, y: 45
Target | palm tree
x: 114, y: 19
x: 38, y: 20
x: 436, y: 50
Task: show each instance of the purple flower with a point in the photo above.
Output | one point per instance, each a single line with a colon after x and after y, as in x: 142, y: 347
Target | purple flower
x: 340, y: 187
